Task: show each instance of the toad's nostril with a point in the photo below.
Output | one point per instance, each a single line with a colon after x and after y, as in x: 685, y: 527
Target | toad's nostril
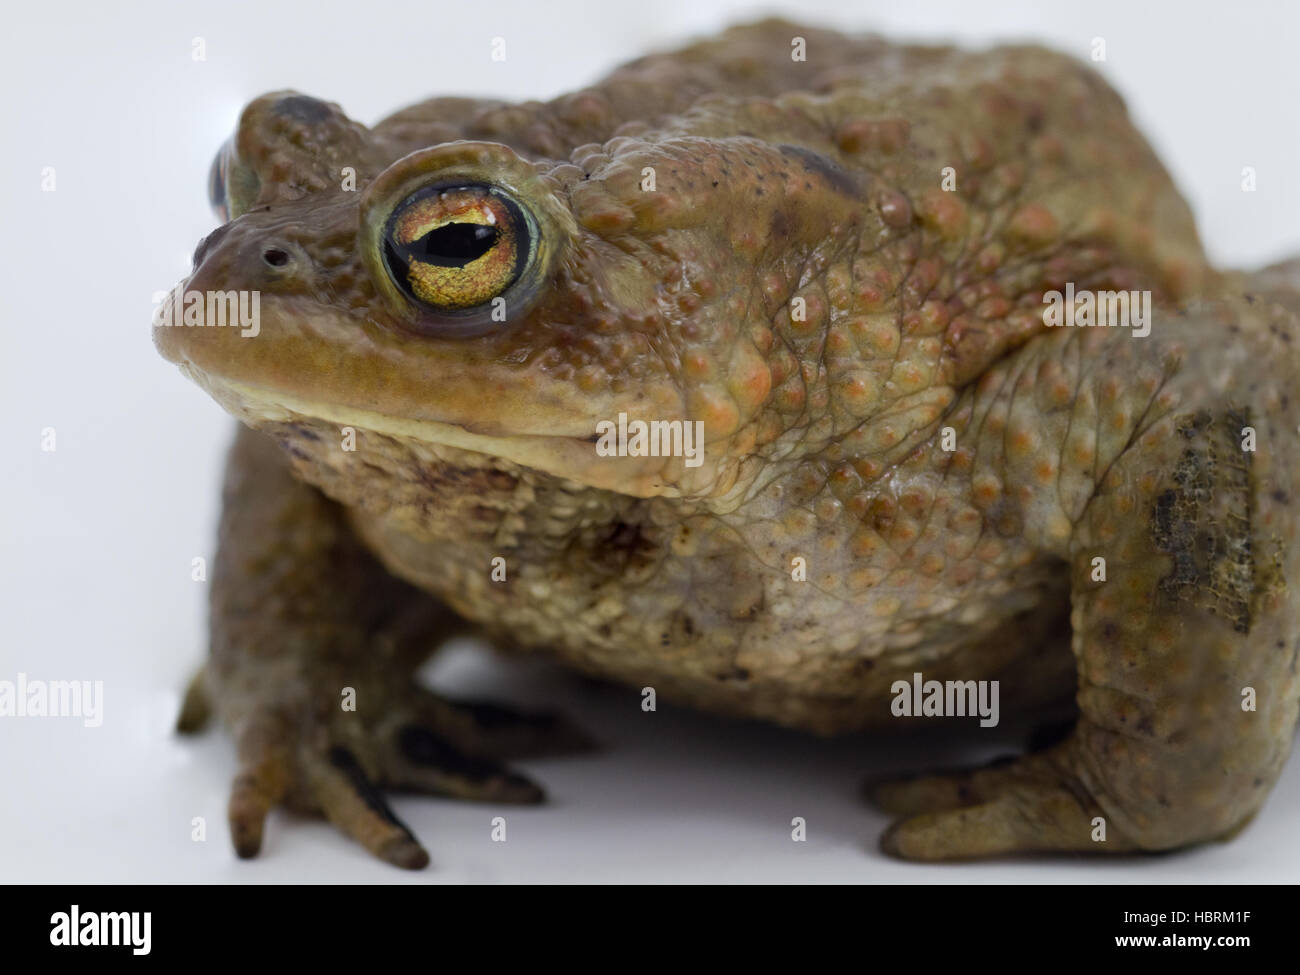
x: 275, y: 256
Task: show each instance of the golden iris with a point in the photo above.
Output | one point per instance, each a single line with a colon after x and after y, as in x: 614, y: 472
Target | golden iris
x: 455, y: 247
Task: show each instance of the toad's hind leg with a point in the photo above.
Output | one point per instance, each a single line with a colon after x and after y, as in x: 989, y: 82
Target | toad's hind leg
x: 1186, y: 650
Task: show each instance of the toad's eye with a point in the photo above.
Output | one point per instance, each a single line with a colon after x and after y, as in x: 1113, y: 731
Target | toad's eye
x: 232, y: 186
x: 217, y: 185
x: 461, y: 240
x: 454, y: 247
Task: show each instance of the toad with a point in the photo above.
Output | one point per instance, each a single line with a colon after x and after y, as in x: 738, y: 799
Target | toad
x: 488, y: 329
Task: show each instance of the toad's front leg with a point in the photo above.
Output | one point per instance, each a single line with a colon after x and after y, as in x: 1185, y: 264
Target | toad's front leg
x: 1187, y: 645
x: 300, y: 614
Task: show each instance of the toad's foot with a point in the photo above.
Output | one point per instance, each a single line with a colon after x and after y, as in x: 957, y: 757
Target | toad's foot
x: 299, y: 748
x: 1021, y: 805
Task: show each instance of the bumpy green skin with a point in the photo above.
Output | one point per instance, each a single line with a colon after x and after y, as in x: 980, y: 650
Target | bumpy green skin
x: 775, y: 180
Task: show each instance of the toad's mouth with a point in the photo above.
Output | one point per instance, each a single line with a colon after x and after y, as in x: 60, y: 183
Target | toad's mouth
x: 571, y: 458
x: 307, y: 362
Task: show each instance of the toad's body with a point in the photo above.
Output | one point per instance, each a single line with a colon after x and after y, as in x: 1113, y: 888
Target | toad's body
x: 837, y: 266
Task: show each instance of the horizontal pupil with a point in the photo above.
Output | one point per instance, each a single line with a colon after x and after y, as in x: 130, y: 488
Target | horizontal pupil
x: 454, y: 244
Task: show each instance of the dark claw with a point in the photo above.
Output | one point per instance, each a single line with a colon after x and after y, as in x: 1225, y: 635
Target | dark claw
x: 346, y: 762
x: 423, y: 747
x: 504, y: 732
x: 463, y: 775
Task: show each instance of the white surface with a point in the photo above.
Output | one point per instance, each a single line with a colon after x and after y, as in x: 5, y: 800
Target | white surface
x: 97, y: 537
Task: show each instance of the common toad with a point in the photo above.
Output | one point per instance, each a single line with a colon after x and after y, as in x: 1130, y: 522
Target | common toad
x: 834, y: 258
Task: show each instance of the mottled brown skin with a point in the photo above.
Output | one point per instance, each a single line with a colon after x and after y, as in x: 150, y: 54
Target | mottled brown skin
x: 776, y: 180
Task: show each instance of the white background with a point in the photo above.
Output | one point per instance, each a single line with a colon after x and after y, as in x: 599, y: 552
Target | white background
x: 97, y: 537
